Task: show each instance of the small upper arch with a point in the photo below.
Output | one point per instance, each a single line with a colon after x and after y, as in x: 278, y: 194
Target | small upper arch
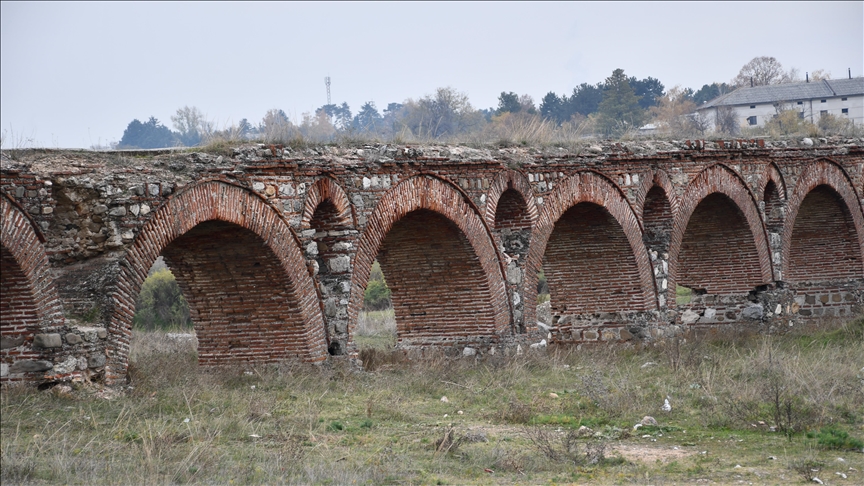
x: 322, y: 190
x: 772, y: 174
x: 656, y: 178
x: 505, y: 181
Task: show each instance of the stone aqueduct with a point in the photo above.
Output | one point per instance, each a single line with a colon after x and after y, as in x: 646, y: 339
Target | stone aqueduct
x: 273, y: 246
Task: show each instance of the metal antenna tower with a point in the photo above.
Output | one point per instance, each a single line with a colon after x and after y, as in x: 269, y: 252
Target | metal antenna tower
x: 327, y: 82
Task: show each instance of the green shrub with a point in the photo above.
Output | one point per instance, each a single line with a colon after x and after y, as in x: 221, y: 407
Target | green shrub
x: 834, y: 438
x: 377, y: 294
x: 161, y: 304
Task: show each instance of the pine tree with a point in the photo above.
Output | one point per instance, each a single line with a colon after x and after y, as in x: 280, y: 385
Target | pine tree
x: 619, y: 111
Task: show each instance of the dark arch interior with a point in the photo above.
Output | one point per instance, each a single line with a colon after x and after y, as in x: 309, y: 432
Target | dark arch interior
x: 824, y: 243
x: 718, y: 251
x: 326, y: 217
x: 240, y: 300
x: 438, y: 285
x: 773, y: 208
x: 512, y: 211
x: 657, y: 220
x: 590, y: 266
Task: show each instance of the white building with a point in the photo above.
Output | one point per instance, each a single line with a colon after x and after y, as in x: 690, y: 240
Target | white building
x: 755, y: 106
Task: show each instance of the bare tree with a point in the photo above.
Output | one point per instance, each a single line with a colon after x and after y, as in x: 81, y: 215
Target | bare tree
x: 699, y: 123
x: 447, y: 114
x: 276, y: 127
x: 763, y: 71
x: 726, y: 120
x: 192, y: 125
x: 673, y: 111
x: 819, y: 75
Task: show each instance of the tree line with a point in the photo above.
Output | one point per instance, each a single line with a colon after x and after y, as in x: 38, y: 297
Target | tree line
x: 611, y: 108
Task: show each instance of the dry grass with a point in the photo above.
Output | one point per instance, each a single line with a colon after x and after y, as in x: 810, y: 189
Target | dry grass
x: 335, y: 425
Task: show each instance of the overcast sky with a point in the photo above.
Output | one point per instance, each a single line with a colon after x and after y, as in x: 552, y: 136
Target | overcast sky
x: 75, y: 74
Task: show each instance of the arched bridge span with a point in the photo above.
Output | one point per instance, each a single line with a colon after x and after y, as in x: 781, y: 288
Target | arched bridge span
x: 273, y: 247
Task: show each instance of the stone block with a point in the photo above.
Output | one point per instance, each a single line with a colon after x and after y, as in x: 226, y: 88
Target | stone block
x: 67, y: 366
x: 73, y: 338
x: 689, y: 317
x: 7, y: 342
x: 810, y: 299
x: 330, y: 308
x: 30, y: 366
x: 590, y: 335
x: 514, y: 274
x: 824, y: 298
x: 753, y: 312
x: 47, y: 341
x: 96, y: 360
x: 340, y: 264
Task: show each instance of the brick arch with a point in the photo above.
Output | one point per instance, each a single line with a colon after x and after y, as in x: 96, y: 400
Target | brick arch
x: 510, y: 180
x: 772, y: 174
x: 29, y: 302
x: 772, y: 193
x: 597, y: 190
x: 658, y: 178
x: 327, y: 189
x: 824, y: 173
x: 418, y: 206
x: 195, y: 228
x: 724, y: 190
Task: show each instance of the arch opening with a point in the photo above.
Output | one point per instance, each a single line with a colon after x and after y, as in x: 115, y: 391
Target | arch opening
x: 590, y: 266
x: 718, y: 251
x: 513, y: 222
x: 241, y: 302
x: 657, y: 220
x: 330, y: 252
x: 824, y: 243
x: 439, y: 290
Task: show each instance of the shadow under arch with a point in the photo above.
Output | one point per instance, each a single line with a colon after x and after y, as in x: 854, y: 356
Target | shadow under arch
x: 430, y: 226
x: 206, y: 212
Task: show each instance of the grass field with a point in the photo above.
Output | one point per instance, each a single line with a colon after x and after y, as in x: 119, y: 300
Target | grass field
x: 767, y: 410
